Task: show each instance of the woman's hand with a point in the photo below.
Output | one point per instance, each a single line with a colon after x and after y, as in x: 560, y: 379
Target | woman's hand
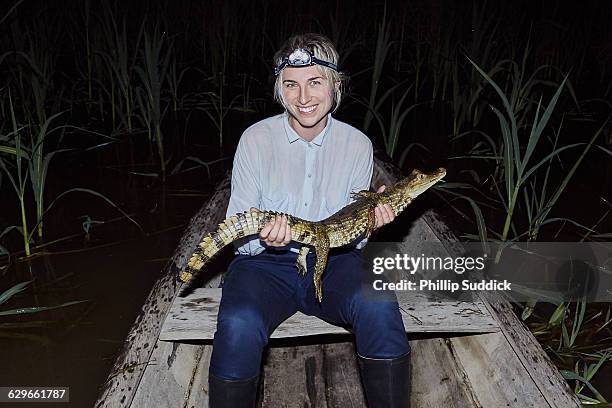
x: 276, y: 233
x: 384, y: 213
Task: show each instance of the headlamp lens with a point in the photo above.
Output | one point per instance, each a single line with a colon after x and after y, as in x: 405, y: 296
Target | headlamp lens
x: 299, y: 58
x: 302, y: 58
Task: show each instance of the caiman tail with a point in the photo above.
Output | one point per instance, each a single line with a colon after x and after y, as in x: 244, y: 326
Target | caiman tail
x: 237, y: 226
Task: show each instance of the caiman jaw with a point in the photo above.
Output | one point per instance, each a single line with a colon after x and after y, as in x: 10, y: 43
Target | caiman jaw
x: 403, y: 193
x: 423, y: 182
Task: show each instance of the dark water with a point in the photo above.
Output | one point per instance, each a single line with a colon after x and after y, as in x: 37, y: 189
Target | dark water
x: 113, y: 270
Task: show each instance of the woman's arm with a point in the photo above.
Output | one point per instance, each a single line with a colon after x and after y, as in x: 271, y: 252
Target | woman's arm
x: 245, y: 190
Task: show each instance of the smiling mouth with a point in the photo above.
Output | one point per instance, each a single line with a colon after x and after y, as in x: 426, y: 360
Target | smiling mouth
x: 307, y: 110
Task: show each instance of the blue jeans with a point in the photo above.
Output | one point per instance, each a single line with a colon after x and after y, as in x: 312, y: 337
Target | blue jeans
x: 260, y: 292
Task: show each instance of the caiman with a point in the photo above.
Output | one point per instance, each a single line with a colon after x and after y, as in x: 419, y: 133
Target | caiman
x: 342, y: 228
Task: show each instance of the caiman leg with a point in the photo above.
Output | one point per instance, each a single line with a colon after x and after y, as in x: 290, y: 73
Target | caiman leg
x: 371, y: 222
x: 301, y: 260
x: 372, y: 214
x: 322, y: 250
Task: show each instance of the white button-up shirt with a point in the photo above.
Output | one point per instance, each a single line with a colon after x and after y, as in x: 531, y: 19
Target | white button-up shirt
x: 275, y: 169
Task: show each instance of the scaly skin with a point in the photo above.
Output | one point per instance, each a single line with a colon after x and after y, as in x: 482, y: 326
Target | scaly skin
x: 342, y: 228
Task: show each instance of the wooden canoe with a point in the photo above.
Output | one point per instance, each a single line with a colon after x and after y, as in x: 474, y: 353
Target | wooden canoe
x: 501, y: 367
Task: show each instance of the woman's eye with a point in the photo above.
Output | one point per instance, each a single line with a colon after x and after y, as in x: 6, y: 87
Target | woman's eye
x: 314, y: 83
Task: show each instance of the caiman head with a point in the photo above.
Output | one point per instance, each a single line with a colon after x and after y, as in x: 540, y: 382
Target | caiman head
x: 403, y: 192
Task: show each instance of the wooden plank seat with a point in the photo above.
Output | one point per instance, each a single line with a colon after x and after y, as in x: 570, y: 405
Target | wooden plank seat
x: 194, y: 317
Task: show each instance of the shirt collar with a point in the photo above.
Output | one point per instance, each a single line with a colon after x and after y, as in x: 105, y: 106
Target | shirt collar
x: 292, y: 135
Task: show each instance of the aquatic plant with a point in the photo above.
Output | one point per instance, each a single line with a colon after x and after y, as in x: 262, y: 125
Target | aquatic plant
x: 568, y: 335
x: 383, y: 45
x: 391, y: 127
x: 18, y: 330
x: 18, y: 181
x: 9, y: 293
x: 119, y: 51
x: 155, y: 58
x: 518, y: 167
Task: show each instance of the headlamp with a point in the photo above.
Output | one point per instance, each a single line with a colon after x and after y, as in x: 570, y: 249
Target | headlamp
x: 302, y: 58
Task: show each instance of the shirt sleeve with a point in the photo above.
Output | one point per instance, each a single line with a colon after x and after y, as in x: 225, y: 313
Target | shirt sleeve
x: 245, y: 192
x: 363, y: 177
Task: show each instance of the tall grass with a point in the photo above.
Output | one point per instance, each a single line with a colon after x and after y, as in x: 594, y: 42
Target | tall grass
x: 155, y: 58
x: 19, y: 180
x: 383, y: 45
x: 35, y: 79
x: 519, y: 167
x: 174, y: 80
x: 29, y: 168
x: 119, y: 51
x: 565, y: 331
x: 391, y: 126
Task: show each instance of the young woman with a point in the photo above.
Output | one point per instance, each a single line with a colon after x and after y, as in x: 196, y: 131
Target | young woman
x: 305, y: 163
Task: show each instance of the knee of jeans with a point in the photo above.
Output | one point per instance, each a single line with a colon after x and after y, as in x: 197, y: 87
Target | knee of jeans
x: 374, y: 312
x: 374, y: 318
x: 242, y: 328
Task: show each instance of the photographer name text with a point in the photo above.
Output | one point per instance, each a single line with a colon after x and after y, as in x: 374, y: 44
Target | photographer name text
x: 443, y: 285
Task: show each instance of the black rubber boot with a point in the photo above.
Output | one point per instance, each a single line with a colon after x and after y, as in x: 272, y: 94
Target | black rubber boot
x: 232, y: 393
x: 386, y: 382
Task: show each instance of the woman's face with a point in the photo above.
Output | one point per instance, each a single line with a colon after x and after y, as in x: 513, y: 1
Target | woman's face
x: 308, y: 99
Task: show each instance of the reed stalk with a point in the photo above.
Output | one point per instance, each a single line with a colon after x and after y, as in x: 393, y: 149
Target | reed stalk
x: 6, y: 295
x: 391, y: 127
x: 213, y: 105
x: 19, y: 185
x: 175, y: 78
x: 383, y: 45
x: 120, y: 55
x: 518, y: 166
x: 88, y: 51
x: 153, y: 75
x: 36, y: 79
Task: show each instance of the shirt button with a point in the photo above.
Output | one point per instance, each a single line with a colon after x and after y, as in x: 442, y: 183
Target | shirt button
x: 309, y: 144
x: 305, y: 204
x: 309, y: 175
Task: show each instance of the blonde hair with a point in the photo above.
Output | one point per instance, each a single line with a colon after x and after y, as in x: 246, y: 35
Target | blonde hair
x: 320, y: 47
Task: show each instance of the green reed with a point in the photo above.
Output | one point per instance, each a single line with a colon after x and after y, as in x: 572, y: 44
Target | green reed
x: 17, y: 330
x: 567, y: 334
x: 35, y: 79
x: 519, y: 166
x: 153, y: 71
x: 527, y: 184
x: 119, y: 53
x: 174, y: 79
x: 28, y: 170
x: 215, y: 106
x: 391, y: 126
x: 18, y: 181
x: 9, y: 293
x: 383, y: 45
x: 82, y: 34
